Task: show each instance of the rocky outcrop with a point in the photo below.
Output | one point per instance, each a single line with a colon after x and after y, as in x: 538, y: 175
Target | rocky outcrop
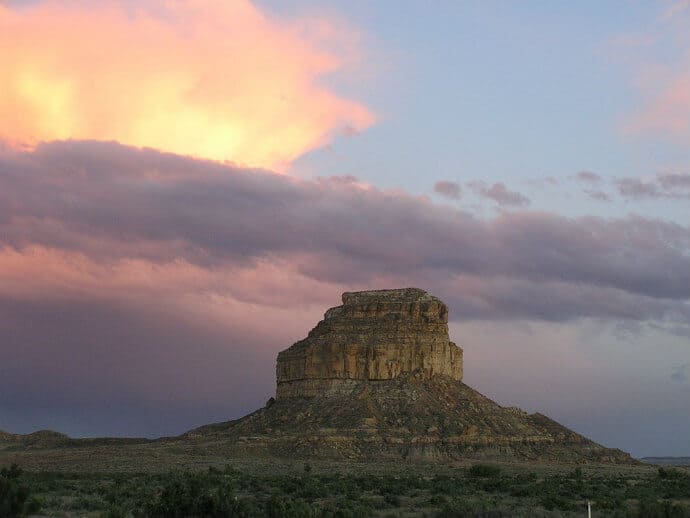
x: 373, y: 336
x: 379, y: 380
x: 406, y: 418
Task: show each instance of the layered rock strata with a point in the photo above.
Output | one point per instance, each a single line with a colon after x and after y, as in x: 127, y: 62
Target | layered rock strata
x: 379, y: 380
x: 373, y: 336
x: 406, y: 418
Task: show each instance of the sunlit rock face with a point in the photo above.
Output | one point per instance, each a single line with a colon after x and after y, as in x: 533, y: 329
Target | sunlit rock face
x: 375, y: 335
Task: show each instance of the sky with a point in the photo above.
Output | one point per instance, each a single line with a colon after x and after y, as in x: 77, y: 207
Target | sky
x: 187, y: 186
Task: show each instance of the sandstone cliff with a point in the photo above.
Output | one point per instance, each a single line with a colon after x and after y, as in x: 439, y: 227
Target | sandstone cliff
x: 379, y: 379
x: 374, y: 335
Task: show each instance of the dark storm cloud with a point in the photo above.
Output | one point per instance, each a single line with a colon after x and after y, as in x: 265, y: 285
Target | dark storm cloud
x: 111, y: 202
x: 448, y: 189
x: 499, y: 193
x: 120, y: 370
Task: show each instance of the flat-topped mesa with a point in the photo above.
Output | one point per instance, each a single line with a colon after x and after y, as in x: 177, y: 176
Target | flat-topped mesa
x: 374, y: 336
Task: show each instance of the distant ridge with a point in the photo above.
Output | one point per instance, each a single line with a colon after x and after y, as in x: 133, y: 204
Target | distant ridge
x: 667, y: 461
x: 47, y: 439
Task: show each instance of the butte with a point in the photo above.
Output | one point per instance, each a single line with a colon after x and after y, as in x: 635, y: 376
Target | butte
x: 378, y: 379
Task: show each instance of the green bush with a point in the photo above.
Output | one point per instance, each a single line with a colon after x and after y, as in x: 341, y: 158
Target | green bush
x: 392, y: 500
x: 461, y: 508
x: 484, y: 471
x: 672, y: 474
x: 15, y: 499
x: 114, y: 511
x: 280, y: 506
x: 665, y: 509
x: 551, y: 502
x: 197, y: 495
x: 348, y: 509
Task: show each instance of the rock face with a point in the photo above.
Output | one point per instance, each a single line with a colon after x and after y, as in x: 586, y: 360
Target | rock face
x: 378, y: 380
x: 374, y: 335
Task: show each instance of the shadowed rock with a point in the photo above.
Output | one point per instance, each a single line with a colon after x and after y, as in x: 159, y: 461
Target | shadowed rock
x: 374, y: 335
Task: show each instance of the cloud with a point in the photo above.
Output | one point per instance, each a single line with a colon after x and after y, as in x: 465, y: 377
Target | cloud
x: 664, y: 85
x: 500, y: 194
x: 636, y: 188
x: 670, y: 181
x: 588, y: 176
x: 597, y: 195
x: 681, y: 374
x: 108, y: 366
x: 216, y: 79
x: 448, y: 189
x: 669, y: 110
x: 667, y: 185
x: 116, y: 206
x: 675, y: 9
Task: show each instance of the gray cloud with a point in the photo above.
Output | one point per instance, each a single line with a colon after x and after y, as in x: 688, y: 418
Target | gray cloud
x: 99, y: 367
x: 588, y: 176
x: 636, y: 188
x: 668, y: 185
x: 671, y: 181
x: 112, y: 202
x: 681, y: 374
x: 597, y: 195
x: 448, y: 189
x: 500, y: 194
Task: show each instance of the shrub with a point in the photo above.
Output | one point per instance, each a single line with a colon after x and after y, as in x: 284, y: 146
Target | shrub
x: 666, y: 509
x: 190, y: 494
x: 551, y: 501
x: 114, y: 511
x: 671, y: 474
x: 349, y: 509
x: 285, y: 507
x: 15, y: 499
x: 392, y: 500
x: 471, y: 509
x: 484, y: 471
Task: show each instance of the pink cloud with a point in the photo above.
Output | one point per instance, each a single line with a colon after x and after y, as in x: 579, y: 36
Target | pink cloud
x: 212, y: 79
x: 668, y: 111
x: 664, y: 86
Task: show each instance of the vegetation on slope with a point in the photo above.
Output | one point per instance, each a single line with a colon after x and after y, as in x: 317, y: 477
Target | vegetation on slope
x: 481, y: 490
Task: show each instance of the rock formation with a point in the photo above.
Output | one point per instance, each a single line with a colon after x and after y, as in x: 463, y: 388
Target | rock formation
x: 374, y: 335
x: 379, y: 379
